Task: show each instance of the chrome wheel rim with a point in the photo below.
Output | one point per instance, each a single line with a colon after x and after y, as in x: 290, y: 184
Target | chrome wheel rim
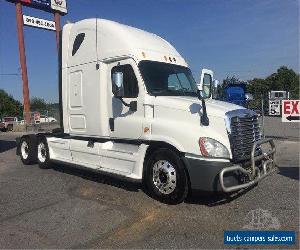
x: 24, y: 150
x: 164, y: 176
x: 42, y: 152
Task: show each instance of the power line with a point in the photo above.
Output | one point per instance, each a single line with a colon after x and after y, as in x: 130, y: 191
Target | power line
x: 10, y: 74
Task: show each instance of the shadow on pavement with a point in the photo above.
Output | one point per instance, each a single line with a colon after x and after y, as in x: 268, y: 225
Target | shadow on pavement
x: 7, y: 145
x: 214, y: 199
x: 195, y: 197
x: 98, y: 176
x: 290, y: 172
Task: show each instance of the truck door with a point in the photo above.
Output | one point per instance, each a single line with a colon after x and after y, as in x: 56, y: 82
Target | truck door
x: 125, y: 123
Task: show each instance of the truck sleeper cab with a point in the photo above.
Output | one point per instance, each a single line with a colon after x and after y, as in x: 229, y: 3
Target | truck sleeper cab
x: 130, y: 106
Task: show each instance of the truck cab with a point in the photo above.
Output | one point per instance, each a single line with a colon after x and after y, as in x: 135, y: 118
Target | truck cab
x: 131, y: 107
x: 8, y: 123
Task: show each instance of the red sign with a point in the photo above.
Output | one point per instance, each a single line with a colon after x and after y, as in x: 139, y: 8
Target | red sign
x: 290, y: 110
x: 37, y: 116
x: 46, y: 5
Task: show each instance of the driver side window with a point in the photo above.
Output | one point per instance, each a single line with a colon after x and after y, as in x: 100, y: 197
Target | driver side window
x: 130, y: 82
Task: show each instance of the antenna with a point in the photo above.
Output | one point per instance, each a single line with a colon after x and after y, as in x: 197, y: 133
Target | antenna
x: 97, y: 64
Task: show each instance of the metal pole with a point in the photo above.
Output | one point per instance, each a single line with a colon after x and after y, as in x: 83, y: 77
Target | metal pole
x: 263, y: 116
x: 57, y: 28
x: 22, y: 55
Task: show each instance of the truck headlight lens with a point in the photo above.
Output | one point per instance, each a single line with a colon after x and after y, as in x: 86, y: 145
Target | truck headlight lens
x: 212, y: 148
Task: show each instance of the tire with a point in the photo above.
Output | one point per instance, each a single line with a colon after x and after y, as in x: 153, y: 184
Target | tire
x: 28, y: 150
x: 10, y: 127
x: 43, y: 153
x: 165, y: 178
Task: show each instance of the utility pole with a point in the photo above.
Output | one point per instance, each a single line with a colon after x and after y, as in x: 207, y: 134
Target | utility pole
x: 262, y: 115
x: 57, y: 28
x: 22, y: 55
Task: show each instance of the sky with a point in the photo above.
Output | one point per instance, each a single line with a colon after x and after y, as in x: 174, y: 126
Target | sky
x: 245, y: 38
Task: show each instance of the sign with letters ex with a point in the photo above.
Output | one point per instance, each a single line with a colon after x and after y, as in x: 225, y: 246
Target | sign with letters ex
x: 290, y: 111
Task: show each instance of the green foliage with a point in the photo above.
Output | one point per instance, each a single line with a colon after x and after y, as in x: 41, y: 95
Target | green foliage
x: 38, y: 104
x: 230, y: 80
x: 9, y: 106
x: 284, y: 79
x: 259, y: 88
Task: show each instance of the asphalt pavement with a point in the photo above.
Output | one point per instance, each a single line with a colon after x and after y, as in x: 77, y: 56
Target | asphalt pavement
x: 65, y: 207
x: 275, y: 128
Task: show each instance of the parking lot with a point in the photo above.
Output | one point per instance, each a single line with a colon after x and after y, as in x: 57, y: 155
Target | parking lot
x: 66, y: 207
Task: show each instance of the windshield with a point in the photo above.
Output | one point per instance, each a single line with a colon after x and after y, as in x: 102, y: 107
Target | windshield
x: 8, y: 119
x: 167, y: 79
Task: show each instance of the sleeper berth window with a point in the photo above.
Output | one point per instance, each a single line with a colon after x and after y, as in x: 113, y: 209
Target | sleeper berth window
x: 77, y: 43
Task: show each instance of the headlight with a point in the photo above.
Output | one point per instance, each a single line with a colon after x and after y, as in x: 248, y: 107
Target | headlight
x: 212, y: 148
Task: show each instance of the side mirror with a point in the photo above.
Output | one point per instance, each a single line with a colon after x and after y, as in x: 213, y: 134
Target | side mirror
x: 249, y: 97
x: 206, y: 83
x: 117, y: 84
x: 201, y: 94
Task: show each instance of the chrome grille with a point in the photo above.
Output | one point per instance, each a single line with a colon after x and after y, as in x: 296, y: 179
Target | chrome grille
x: 244, y: 131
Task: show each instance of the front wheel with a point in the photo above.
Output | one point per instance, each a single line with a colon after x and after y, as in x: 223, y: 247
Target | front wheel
x: 165, y: 176
x: 10, y: 127
x: 43, y: 153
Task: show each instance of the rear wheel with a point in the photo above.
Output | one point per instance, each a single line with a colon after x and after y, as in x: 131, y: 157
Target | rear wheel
x: 27, y: 150
x: 10, y: 127
x: 43, y: 153
x: 165, y: 177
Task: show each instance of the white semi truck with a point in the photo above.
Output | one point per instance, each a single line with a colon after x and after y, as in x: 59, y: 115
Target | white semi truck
x: 130, y: 107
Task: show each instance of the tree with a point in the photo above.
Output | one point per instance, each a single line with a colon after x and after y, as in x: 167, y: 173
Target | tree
x: 38, y: 104
x: 259, y: 88
x: 231, y: 80
x: 283, y: 79
x: 9, y: 106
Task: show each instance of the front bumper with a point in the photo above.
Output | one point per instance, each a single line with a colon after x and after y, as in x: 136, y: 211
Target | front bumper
x: 217, y: 176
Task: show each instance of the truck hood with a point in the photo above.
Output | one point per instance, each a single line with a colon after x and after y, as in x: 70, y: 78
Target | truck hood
x: 193, y: 105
